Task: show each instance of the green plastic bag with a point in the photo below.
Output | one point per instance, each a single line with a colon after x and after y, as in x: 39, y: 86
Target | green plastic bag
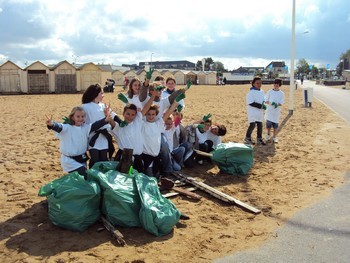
x: 233, y: 158
x: 121, y: 201
x: 72, y: 201
x: 158, y: 215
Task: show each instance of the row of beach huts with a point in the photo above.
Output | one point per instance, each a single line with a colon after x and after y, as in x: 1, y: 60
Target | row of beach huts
x: 65, y: 77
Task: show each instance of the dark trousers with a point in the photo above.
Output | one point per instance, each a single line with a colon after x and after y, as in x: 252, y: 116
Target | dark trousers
x: 137, y: 162
x: 207, y: 147
x: 81, y: 170
x: 147, y: 160
x: 251, y: 128
x: 97, y: 156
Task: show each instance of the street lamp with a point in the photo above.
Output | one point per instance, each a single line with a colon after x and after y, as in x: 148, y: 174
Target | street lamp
x: 151, y: 60
x: 291, y: 84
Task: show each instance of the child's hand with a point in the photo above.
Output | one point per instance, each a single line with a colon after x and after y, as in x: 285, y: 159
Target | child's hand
x: 49, y: 121
x: 188, y: 84
x: 122, y: 97
x: 179, y: 97
x: 155, y: 93
x: 149, y: 74
x: 107, y: 110
x: 206, y: 117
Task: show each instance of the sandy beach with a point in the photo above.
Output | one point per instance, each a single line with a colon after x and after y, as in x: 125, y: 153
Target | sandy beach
x: 308, y: 162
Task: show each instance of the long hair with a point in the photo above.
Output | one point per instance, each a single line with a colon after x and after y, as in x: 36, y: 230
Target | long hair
x: 130, y: 91
x: 91, y: 93
x: 255, y: 79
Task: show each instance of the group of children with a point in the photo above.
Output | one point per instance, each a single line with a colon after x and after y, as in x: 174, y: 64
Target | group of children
x: 151, y: 127
x: 257, y: 102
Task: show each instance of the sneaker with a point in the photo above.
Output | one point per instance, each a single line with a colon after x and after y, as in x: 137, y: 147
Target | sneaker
x: 267, y: 137
x: 200, y: 162
x: 275, y: 140
x: 261, y: 142
x: 248, y: 141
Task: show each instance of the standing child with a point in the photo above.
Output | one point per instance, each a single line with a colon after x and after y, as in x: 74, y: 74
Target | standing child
x: 100, y: 141
x: 255, y: 107
x: 274, y: 99
x: 74, y: 139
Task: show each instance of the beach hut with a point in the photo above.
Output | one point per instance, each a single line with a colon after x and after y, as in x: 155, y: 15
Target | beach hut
x: 10, y: 78
x: 167, y: 74
x: 106, y: 72
x: 189, y: 75
x: 179, y: 77
x: 211, y: 77
x: 141, y: 74
x: 118, y: 76
x: 64, y: 77
x: 201, y: 77
x: 130, y: 74
x: 37, y: 78
x: 88, y: 74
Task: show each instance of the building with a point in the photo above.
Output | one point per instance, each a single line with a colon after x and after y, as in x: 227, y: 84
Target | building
x: 10, y: 78
x: 276, y: 68
x: 180, y: 64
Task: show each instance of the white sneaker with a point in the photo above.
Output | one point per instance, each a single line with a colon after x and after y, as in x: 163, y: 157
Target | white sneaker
x: 275, y: 140
x: 267, y: 137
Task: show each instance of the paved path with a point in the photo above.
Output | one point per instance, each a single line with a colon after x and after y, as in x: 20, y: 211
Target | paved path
x: 336, y: 99
x: 320, y: 233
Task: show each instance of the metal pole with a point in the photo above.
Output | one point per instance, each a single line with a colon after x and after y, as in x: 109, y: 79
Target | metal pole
x: 291, y: 85
x: 151, y: 60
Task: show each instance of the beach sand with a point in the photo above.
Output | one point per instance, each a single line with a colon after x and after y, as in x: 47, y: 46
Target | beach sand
x: 308, y: 162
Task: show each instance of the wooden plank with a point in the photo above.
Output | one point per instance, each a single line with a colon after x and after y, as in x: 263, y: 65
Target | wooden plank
x: 115, y: 232
x: 203, y: 153
x: 190, y: 189
x: 218, y: 194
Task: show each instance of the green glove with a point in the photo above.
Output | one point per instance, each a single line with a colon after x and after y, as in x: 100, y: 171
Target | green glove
x: 179, y: 97
x: 149, y: 73
x: 200, y: 126
x: 274, y: 104
x: 123, y: 124
x: 159, y: 88
x: 131, y: 170
x: 263, y: 106
x: 122, y: 97
x: 189, y: 83
x: 206, y: 117
x: 66, y: 120
x: 179, y: 108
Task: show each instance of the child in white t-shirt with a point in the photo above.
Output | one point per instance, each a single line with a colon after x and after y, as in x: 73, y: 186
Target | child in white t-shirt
x: 74, y: 138
x: 274, y: 99
x: 255, y: 106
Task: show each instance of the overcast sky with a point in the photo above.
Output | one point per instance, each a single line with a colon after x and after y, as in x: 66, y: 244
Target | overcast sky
x: 237, y: 33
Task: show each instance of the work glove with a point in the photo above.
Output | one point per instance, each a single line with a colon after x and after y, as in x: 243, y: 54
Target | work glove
x: 123, y: 124
x: 188, y: 84
x: 200, y: 126
x: 274, y: 104
x: 179, y: 97
x: 263, y: 106
x: 149, y: 73
x: 159, y: 88
x: 179, y: 108
x: 206, y: 117
x: 122, y: 97
x: 66, y: 120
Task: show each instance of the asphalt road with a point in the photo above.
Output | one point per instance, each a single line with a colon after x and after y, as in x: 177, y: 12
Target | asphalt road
x: 320, y: 233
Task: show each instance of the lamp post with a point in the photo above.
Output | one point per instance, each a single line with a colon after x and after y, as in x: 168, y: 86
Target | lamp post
x: 291, y: 85
x: 151, y: 60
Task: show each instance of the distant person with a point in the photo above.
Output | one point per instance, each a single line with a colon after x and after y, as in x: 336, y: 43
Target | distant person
x: 274, y: 99
x: 302, y: 80
x: 224, y: 81
x: 255, y: 106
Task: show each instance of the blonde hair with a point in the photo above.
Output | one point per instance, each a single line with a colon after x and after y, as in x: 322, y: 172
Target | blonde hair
x: 73, y: 111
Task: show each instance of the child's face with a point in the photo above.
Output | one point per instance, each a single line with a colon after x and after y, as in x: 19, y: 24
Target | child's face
x: 276, y: 86
x: 214, y: 129
x: 171, y: 85
x: 99, y: 97
x: 78, y: 118
x: 169, y: 124
x: 257, y: 84
x: 129, y: 115
x: 151, y: 115
x: 136, y: 87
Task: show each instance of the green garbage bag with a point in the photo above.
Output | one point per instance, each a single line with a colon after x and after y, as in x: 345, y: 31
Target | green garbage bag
x: 72, y: 201
x: 233, y: 158
x: 158, y: 215
x: 121, y: 201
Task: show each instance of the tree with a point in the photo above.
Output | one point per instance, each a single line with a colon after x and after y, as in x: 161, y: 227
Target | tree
x: 303, y: 66
x: 211, y: 65
x: 344, y: 62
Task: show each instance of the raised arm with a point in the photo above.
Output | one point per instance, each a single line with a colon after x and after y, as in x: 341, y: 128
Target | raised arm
x: 154, y: 94
x: 51, y: 125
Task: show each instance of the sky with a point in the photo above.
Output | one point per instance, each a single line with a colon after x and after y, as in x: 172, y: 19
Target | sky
x: 237, y: 33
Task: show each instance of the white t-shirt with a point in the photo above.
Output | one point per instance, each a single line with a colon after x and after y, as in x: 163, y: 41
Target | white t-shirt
x: 163, y: 105
x: 273, y: 114
x: 255, y: 114
x: 169, y: 135
x: 202, y: 137
x: 166, y: 94
x: 151, y: 132
x: 94, y: 112
x: 136, y: 101
x: 214, y: 138
x: 73, y: 142
x: 130, y: 136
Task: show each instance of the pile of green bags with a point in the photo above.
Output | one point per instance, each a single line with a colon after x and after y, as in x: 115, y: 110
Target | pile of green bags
x: 127, y: 200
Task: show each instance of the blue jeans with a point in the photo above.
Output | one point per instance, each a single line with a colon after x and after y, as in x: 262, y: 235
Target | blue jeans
x: 165, y: 157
